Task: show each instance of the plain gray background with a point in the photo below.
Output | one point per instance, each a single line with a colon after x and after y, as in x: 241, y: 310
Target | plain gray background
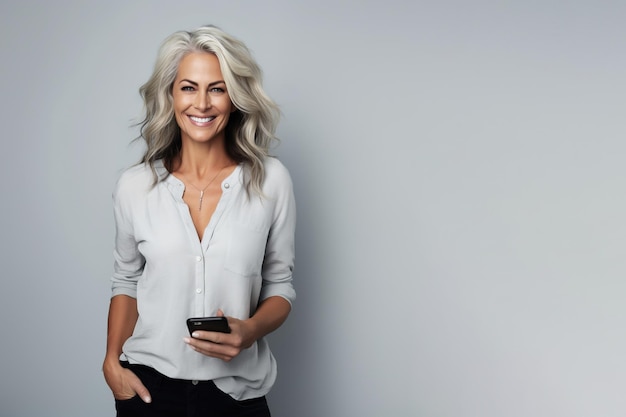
x: 460, y: 179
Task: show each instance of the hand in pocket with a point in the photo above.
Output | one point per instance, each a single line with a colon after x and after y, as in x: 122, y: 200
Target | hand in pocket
x: 125, y: 384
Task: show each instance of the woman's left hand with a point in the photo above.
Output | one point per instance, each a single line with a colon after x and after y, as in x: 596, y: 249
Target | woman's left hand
x: 224, y: 346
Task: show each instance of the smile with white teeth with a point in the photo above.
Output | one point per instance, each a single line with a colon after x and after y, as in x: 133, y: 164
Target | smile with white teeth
x: 201, y: 119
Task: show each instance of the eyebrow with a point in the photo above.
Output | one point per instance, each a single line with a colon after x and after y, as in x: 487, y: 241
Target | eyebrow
x: 196, y: 84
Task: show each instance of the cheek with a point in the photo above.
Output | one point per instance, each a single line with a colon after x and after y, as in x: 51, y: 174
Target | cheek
x: 179, y: 108
x: 177, y: 105
x: 228, y: 106
x: 181, y: 119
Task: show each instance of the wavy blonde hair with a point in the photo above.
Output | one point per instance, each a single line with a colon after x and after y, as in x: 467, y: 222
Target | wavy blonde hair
x: 250, y: 130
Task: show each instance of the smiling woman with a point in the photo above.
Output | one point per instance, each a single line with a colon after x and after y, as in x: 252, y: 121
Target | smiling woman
x: 202, y: 105
x: 202, y: 108
x: 204, y: 227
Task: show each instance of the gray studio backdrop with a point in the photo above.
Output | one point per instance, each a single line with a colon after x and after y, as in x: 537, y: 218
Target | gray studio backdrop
x: 460, y: 178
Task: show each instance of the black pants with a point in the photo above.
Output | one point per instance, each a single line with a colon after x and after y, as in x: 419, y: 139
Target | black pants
x: 181, y: 398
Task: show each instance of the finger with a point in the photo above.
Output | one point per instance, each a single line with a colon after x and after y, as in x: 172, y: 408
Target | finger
x: 205, y: 343
x: 212, y: 349
x: 135, y: 383
x: 125, y: 394
x: 220, y: 313
x: 200, y: 335
x: 206, y: 336
x: 207, y: 351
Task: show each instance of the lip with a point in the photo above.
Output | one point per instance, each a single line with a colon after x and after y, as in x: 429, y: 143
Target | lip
x: 201, y: 121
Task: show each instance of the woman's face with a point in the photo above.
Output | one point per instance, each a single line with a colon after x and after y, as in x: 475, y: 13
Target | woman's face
x: 202, y: 105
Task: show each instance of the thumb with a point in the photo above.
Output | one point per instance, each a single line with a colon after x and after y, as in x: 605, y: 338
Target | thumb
x: 220, y: 313
x: 140, y: 389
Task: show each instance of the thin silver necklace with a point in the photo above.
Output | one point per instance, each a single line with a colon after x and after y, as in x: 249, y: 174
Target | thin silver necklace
x: 207, y: 186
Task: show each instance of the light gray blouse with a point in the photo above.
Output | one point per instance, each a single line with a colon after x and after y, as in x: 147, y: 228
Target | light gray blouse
x: 246, y: 255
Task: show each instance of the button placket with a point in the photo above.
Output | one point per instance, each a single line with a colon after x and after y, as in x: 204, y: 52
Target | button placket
x: 199, y: 290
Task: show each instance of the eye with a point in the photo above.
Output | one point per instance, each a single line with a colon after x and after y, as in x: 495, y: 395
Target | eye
x: 216, y: 90
x: 187, y: 88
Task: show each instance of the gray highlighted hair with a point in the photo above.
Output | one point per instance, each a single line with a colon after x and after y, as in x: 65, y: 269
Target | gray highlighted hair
x: 250, y: 130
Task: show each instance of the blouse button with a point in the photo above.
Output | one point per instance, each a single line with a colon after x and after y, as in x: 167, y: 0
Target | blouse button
x: 198, y: 258
x: 226, y: 185
x: 198, y: 290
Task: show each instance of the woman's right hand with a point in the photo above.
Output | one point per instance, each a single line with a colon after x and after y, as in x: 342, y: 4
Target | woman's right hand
x: 123, y: 382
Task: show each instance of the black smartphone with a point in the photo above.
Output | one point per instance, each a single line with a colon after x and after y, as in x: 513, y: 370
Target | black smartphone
x: 211, y: 324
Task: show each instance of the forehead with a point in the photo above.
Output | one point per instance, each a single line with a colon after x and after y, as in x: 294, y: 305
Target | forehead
x: 199, y: 66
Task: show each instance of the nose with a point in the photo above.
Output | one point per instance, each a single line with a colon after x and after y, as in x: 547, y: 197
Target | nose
x: 202, y: 101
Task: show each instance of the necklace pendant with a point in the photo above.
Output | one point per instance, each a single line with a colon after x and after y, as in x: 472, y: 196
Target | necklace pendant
x: 207, y: 186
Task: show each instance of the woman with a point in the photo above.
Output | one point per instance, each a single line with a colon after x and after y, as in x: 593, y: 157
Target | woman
x: 204, y: 227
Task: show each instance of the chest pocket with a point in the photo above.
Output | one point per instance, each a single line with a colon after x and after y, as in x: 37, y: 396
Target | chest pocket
x: 246, y: 249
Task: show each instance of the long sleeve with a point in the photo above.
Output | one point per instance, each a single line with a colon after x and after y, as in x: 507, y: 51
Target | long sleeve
x: 128, y: 261
x: 279, y: 257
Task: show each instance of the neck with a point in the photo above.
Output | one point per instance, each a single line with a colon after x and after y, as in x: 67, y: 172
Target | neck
x: 201, y: 160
